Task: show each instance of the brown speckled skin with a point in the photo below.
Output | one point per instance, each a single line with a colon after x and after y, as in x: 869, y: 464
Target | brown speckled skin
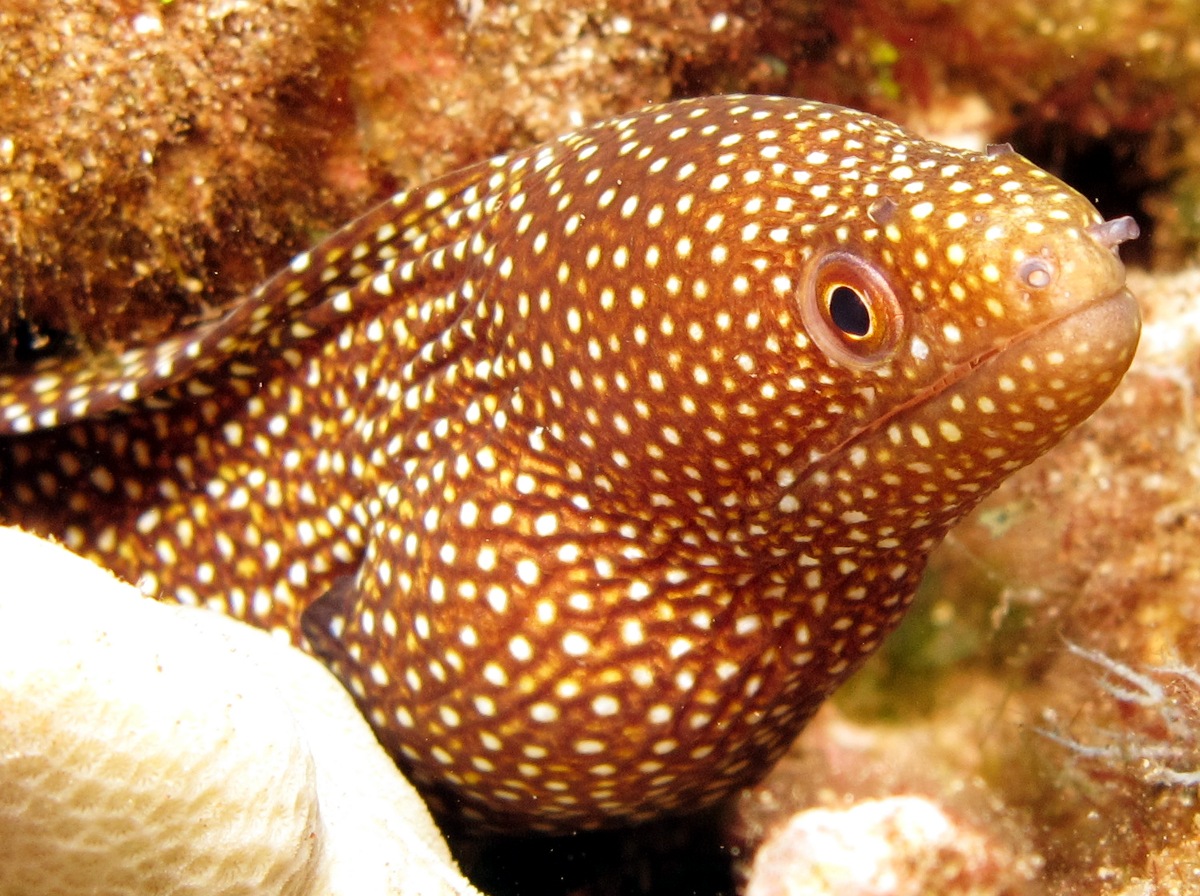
x: 603, y: 497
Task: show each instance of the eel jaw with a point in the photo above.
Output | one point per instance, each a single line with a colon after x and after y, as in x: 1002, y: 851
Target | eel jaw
x: 1100, y: 339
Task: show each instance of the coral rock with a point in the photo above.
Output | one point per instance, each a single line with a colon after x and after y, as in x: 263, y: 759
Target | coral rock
x: 146, y: 748
x: 900, y: 846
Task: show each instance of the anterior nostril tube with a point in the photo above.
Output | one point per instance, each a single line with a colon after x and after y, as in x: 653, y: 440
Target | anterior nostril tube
x: 1111, y: 234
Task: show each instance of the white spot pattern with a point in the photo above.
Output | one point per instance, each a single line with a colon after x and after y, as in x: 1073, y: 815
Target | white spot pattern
x: 613, y: 455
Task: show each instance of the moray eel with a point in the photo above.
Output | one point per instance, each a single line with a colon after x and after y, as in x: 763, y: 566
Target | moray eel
x: 592, y: 469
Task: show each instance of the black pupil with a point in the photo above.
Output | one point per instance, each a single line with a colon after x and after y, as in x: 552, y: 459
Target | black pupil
x: 849, y: 312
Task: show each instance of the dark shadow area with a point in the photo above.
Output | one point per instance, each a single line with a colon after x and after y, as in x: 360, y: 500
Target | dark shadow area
x: 671, y: 857
x: 25, y: 341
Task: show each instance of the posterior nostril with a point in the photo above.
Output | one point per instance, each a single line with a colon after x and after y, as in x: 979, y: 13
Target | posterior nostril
x: 1111, y: 234
x: 1036, y: 273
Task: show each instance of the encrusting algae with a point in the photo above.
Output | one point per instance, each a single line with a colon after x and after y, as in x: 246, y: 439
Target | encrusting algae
x: 594, y: 468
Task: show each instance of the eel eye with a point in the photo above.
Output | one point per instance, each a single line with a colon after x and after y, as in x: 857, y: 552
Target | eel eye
x: 850, y: 310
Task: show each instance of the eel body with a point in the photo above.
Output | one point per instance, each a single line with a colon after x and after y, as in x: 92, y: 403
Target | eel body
x: 592, y: 469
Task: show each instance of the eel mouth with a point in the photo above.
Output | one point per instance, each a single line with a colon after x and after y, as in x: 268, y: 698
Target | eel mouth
x: 1097, y: 340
